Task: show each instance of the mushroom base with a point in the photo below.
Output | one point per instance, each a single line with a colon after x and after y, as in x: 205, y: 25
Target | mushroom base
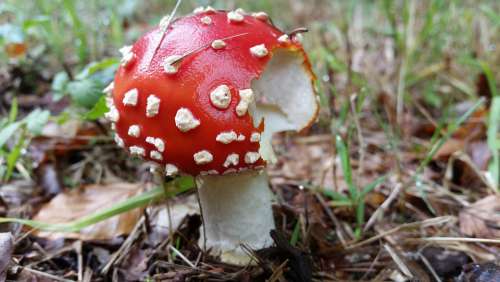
x: 236, y: 210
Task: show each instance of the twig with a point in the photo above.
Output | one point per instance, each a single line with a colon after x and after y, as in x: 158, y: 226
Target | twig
x: 165, y: 27
x: 383, y: 207
x: 297, y: 31
x: 202, y: 219
x: 182, y: 57
x: 423, y: 223
x: 429, y: 266
x: 399, y: 262
x: 177, y: 252
x: 118, y: 255
x: 46, y: 275
x: 458, y: 239
x: 339, y: 230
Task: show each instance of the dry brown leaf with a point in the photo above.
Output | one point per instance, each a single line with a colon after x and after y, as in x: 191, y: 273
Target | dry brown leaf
x: 449, y: 147
x: 74, y: 204
x: 482, y: 219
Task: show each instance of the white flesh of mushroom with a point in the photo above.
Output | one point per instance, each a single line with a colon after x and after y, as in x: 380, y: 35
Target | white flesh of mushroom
x: 236, y: 210
x: 237, y: 206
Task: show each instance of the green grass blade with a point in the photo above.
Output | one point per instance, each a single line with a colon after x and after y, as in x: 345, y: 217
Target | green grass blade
x: 77, y: 225
x: 295, y: 234
x: 334, y: 195
x: 437, y: 145
x: 346, y: 166
x: 368, y: 188
x: 13, y: 156
x: 449, y: 132
x: 490, y: 77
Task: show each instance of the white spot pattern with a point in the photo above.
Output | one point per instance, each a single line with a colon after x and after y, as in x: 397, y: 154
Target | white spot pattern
x: 185, y: 121
x: 262, y: 16
x: 255, y: 137
x: 218, y: 44
x: 157, y: 142
x: 127, y: 55
x: 203, y: 157
x: 259, y: 51
x: 171, y: 170
x: 284, y: 38
x: 152, y: 106
x: 246, y: 97
x: 221, y: 97
x: 235, y: 17
x: 119, y: 140
x: 206, y: 20
x: 226, y: 137
x: 168, y: 64
x: 136, y: 150
x: 130, y: 97
x: 134, y: 130
x: 251, y: 157
x: 232, y: 159
x: 155, y: 155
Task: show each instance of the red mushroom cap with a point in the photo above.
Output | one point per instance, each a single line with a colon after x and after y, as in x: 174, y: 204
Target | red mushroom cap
x: 184, y: 103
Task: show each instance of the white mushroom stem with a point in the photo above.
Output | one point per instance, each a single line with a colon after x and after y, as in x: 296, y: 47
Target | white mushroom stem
x: 236, y: 210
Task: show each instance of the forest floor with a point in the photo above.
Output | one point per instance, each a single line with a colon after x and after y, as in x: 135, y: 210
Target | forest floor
x: 397, y: 181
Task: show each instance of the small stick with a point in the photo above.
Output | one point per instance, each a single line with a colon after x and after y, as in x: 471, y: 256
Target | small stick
x: 205, y: 46
x: 177, y: 252
x: 297, y: 31
x: 165, y: 27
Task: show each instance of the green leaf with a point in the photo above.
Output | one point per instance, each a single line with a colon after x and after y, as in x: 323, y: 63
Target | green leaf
x: 85, y: 93
x: 95, y: 67
x: 36, y: 120
x: 7, y: 132
x: 98, y: 110
x: 59, y: 84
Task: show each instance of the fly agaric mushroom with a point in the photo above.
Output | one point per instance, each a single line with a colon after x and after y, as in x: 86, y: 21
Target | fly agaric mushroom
x: 203, y: 96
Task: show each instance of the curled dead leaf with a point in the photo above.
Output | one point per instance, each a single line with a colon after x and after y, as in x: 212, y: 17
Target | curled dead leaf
x: 75, y: 204
x: 482, y: 219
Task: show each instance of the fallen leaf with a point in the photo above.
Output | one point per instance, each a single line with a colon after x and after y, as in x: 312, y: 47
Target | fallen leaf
x: 75, y: 204
x: 6, y: 249
x: 482, y: 219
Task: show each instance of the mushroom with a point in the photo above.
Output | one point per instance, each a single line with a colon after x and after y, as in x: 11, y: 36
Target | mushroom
x: 205, y: 101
